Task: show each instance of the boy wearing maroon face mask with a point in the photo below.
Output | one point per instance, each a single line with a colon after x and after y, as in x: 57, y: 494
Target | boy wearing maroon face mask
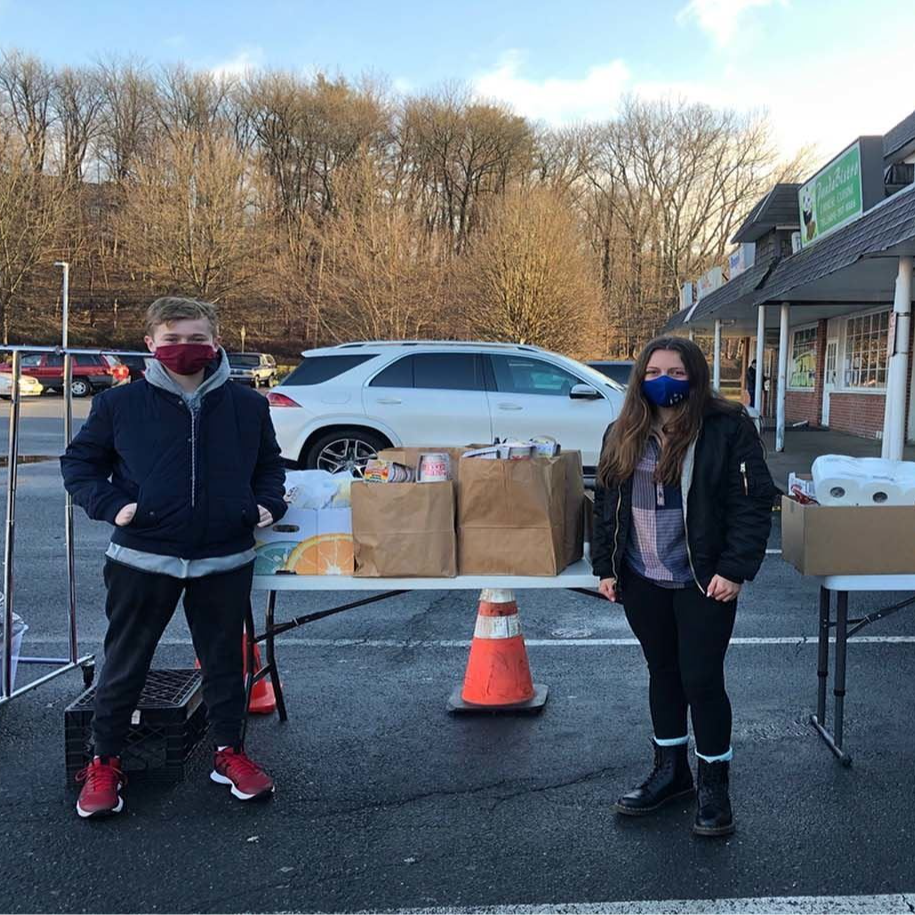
x: 184, y: 465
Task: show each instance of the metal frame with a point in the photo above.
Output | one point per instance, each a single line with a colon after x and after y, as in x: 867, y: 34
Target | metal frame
x: 74, y: 660
x: 572, y: 580
x: 834, y: 739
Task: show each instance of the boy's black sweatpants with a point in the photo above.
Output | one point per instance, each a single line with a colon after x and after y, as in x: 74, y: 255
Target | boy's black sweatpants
x: 684, y: 637
x: 139, y: 607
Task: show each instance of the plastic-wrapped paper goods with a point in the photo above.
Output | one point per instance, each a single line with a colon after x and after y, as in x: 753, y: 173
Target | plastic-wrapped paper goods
x: 843, y: 480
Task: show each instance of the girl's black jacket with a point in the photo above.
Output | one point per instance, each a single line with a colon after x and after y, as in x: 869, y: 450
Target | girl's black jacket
x: 728, y: 494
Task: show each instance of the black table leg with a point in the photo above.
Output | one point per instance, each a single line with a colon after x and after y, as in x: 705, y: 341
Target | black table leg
x: 270, y: 651
x: 249, y: 666
x: 841, y: 655
x: 832, y: 740
x: 823, y: 655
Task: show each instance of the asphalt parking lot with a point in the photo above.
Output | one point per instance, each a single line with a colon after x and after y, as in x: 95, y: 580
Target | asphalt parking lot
x: 384, y: 802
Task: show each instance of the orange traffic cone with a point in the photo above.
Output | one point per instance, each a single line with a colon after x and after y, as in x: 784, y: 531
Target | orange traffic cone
x: 498, y: 677
x: 263, y: 699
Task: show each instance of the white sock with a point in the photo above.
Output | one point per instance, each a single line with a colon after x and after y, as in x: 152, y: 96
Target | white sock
x: 672, y: 742
x: 725, y: 757
x: 220, y: 749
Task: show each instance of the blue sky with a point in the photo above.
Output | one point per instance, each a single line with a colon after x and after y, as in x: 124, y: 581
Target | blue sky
x: 827, y: 70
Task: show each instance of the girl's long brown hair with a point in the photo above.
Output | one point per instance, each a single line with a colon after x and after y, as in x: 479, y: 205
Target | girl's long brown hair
x: 626, y: 442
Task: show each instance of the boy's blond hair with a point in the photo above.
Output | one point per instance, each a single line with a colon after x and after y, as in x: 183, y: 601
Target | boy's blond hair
x: 171, y: 308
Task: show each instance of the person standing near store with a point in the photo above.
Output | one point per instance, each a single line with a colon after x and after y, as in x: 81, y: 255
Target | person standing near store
x: 184, y: 464
x: 682, y: 516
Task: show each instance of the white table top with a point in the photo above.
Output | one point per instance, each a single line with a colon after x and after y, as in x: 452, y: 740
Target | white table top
x: 578, y: 575
x: 869, y: 582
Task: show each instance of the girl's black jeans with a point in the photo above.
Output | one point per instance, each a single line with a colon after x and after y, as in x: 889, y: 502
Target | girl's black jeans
x: 684, y: 637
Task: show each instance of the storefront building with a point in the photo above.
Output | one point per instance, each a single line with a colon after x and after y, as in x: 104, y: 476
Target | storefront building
x: 832, y: 257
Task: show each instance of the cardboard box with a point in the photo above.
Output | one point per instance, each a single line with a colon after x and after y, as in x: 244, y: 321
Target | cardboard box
x: 854, y: 540
x: 307, y: 541
x: 404, y: 530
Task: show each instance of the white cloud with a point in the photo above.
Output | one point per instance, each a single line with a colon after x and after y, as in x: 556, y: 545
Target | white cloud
x: 245, y: 60
x: 826, y: 103
x: 593, y: 96
x: 719, y: 18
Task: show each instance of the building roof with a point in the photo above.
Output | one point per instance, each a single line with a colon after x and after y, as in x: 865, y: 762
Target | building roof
x: 884, y: 226
x: 738, y: 291
x: 899, y: 136
x: 777, y: 208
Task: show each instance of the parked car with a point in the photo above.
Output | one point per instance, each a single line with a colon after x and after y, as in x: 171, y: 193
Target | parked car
x: 619, y: 370
x: 90, y: 373
x: 345, y: 403
x: 255, y: 369
x: 28, y: 386
x: 136, y: 365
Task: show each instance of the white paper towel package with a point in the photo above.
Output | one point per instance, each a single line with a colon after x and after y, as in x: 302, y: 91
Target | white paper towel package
x: 843, y: 480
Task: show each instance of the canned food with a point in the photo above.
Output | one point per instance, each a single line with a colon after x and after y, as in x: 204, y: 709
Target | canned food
x: 434, y: 467
x: 386, y: 472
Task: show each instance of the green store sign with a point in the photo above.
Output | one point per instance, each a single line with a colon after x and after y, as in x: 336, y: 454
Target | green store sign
x: 832, y: 197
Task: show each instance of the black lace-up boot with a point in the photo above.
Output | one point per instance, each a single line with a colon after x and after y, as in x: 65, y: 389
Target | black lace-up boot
x: 714, y: 816
x: 669, y: 779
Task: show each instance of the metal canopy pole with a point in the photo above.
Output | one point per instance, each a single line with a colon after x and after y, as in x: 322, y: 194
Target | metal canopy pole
x: 760, y: 358
x: 782, y: 376
x: 6, y: 687
x: 894, y: 405
x: 716, y: 364
x: 67, y: 664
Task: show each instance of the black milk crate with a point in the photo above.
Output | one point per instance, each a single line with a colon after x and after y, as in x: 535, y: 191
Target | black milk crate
x: 167, y: 726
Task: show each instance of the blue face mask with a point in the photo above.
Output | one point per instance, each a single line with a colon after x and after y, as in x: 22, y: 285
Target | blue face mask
x: 665, y: 391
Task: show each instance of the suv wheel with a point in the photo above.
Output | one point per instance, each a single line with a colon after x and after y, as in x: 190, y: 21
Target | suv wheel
x: 79, y: 387
x: 347, y: 449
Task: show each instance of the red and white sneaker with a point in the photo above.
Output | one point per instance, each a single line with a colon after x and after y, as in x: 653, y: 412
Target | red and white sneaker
x: 102, y: 782
x: 249, y: 782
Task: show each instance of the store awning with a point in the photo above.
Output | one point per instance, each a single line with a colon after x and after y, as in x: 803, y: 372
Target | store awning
x: 730, y: 302
x: 856, y: 264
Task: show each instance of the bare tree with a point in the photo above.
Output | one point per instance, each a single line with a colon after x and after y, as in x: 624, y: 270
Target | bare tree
x: 189, y: 218
x: 379, y: 283
x: 528, y: 277
x: 76, y: 100
x: 26, y: 86
x: 32, y: 211
x: 461, y: 150
x: 126, y: 128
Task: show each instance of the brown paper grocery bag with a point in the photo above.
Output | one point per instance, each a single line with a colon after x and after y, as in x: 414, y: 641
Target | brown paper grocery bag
x: 512, y: 516
x: 574, y: 506
x: 404, y: 530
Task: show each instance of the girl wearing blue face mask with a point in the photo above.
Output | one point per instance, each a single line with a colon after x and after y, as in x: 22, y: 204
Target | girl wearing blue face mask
x: 681, y: 519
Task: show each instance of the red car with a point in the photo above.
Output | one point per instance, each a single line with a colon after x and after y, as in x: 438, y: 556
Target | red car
x: 90, y: 373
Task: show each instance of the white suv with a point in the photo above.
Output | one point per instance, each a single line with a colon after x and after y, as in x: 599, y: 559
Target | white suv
x: 345, y: 403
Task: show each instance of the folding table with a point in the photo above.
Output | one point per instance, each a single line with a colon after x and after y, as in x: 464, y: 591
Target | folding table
x: 842, y: 585
x: 577, y: 577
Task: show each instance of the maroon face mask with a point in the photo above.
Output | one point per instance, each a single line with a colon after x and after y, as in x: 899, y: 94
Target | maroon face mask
x: 186, y: 358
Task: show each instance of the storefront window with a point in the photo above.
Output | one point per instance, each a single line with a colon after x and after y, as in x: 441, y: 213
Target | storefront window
x: 865, y: 350
x: 803, y: 359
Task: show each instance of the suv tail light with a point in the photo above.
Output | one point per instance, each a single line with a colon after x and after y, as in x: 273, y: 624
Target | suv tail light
x: 281, y: 400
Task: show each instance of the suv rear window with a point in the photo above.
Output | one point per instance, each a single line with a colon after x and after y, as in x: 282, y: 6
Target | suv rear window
x: 317, y: 369
x: 433, y: 371
x: 247, y: 361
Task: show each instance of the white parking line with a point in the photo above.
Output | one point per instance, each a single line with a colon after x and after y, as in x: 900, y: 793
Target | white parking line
x: 535, y: 643
x: 776, y: 905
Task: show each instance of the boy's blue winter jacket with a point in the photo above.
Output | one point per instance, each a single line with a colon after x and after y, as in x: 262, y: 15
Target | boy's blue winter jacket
x: 197, y: 479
